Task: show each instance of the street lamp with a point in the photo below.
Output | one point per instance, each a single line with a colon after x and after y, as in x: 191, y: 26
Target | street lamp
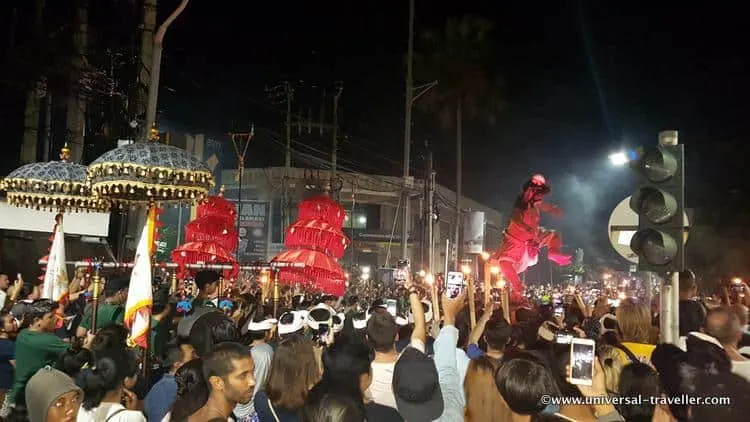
x: 362, y: 220
x: 619, y: 158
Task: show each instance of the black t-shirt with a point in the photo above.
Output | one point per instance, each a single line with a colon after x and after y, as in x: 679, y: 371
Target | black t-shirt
x: 379, y: 413
x: 692, y: 316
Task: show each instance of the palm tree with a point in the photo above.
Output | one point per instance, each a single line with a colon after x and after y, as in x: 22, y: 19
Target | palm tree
x: 458, y: 58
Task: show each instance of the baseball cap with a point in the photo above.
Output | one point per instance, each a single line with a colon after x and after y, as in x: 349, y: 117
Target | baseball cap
x: 359, y: 320
x: 337, y: 321
x: 416, y: 387
x: 427, y: 306
x: 115, y: 284
x: 291, y: 322
x: 377, y: 309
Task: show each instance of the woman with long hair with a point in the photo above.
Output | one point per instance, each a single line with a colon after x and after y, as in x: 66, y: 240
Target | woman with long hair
x: 104, y: 388
x: 294, y: 371
x: 483, y: 402
x: 634, y: 320
x: 192, y: 391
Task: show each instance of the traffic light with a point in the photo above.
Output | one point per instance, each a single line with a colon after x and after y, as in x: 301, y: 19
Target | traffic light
x: 659, y: 202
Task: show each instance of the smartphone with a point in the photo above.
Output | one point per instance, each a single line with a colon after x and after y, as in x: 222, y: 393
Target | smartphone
x: 613, y: 303
x: 563, y: 338
x: 402, y: 270
x: 582, y: 361
x: 454, y: 284
x: 391, y: 306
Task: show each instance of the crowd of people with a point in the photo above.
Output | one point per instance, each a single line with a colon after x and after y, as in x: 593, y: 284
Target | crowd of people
x: 335, y: 359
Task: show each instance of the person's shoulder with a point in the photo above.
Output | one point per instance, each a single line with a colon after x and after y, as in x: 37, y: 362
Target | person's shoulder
x: 377, y: 412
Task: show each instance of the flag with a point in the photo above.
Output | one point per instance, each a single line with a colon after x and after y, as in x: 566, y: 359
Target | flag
x: 55, y: 284
x: 138, y: 305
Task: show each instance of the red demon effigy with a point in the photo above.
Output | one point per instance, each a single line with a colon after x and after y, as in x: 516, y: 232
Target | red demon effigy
x: 524, y: 237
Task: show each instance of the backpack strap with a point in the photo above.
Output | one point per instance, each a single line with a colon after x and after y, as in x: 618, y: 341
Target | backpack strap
x: 628, y: 353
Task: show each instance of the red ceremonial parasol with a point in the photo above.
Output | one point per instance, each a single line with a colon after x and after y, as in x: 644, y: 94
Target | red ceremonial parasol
x: 212, y: 228
x: 218, y: 206
x: 316, y: 235
x: 207, y: 252
x: 322, y: 208
x: 320, y: 270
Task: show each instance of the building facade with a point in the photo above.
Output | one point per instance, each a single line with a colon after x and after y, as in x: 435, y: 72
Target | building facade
x: 373, y: 204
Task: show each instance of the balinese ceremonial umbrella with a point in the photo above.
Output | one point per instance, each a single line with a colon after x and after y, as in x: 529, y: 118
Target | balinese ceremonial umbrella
x: 53, y: 185
x: 317, y: 235
x: 212, y: 228
x: 322, y: 208
x: 320, y: 271
x: 149, y: 172
x: 206, y: 252
x: 218, y: 206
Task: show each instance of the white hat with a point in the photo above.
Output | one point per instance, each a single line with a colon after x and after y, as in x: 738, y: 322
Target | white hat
x: 338, y: 322
x: 400, y: 321
x: 427, y: 305
x: 291, y: 322
x: 264, y: 325
x: 359, y: 320
x: 323, y: 318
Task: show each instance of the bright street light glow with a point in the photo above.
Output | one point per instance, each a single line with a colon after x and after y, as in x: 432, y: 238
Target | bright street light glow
x: 619, y: 158
x: 365, y: 270
x: 362, y: 219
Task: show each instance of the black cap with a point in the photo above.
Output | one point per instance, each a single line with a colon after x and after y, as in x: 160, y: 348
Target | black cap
x: 416, y: 387
x: 202, y: 278
x: 114, y: 285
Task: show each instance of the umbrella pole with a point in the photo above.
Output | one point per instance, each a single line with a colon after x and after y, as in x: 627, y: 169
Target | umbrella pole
x: 276, y: 293
x: 96, y: 279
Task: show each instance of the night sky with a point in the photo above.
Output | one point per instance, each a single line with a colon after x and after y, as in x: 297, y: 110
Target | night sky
x: 583, y: 78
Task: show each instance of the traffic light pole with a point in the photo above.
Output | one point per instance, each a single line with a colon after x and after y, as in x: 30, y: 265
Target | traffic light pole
x: 669, y: 312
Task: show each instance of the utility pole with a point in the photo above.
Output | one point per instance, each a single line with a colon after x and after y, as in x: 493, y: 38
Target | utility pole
x: 238, y: 139
x: 334, y: 154
x: 153, y: 88
x: 430, y: 211
x: 407, y: 133
x: 285, y: 208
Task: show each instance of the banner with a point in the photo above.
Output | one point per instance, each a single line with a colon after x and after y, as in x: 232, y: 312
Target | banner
x: 253, y: 230
x: 473, y: 232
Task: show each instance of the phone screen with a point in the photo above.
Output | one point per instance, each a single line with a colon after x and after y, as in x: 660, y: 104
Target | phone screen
x: 402, y: 270
x: 390, y: 305
x: 582, y: 361
x: 563, y: 338
x: 454, y: 284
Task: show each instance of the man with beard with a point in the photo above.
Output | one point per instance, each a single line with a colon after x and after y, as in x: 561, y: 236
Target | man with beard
x: 228, y: 369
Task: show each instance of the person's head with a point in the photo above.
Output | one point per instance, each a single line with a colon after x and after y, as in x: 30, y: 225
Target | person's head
x: 294, y: 371
x: 723, y: 325
x: 382, y: 331
x: 116, y: 289
x: 112, y: 336
x: 192, y: 390
x: 4, y: 282
x: 52, y: 396
x: 497, y: 334
x: 332, y: 406
x: 8, y: 324
x: 30, y: 291
x: 611, y: 364
x: 228, y: 369
x: 416, y: 387
x: 634, y: 319
x: 638, y: 380
x: 688, y: 287
x: 522, y: 383
x: 41, y: 315
x: 206, y: 328
x: 669, y: 360
x: 207, y: 282
x: 727, y: 386
x: 110, y: 371
x: 347, y: 363
x: 483, y: 402
x: 177, y: 355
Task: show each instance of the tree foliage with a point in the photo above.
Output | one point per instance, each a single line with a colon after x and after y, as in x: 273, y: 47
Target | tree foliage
x: 458, y: 56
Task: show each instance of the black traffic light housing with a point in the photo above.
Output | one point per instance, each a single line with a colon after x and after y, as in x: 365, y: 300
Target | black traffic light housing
x: 659, y: 202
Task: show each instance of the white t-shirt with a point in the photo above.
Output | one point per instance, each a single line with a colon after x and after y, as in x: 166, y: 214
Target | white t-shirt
x: 741, y: 368
x: 381, y: 389
x: 110, y: 412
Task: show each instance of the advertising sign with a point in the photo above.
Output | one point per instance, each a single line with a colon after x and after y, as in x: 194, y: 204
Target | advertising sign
x: 253, y: 230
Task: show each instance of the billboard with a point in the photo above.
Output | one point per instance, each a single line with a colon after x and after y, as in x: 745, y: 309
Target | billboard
x: 253, y: 229
x: 474, y: 232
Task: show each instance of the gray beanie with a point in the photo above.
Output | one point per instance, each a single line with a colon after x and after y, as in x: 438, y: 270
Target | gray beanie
x: 44, y: 388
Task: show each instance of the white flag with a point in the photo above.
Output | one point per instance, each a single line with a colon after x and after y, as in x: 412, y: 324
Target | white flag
x: 55, y: 284
x: 140, y: 299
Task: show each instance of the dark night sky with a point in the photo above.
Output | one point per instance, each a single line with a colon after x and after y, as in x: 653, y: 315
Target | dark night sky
x: 583, y: 78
